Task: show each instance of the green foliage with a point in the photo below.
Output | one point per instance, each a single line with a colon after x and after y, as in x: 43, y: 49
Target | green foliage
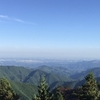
x: 58, y: 95
x: 89, y: 90
x: 43, y: 91
x: 6, y: 91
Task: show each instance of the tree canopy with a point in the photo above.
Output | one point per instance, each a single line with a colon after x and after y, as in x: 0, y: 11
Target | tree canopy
x: 89, y: 90
x: 6, y: 91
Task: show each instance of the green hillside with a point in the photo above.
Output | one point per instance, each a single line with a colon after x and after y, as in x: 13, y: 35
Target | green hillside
x: 63, y: 71
x: 24, y: 75
x: 25, y: 91
x: 14, y: 73
x: 35, y: 76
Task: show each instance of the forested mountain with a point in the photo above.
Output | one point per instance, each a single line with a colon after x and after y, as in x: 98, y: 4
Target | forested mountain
x: 26, y: 75
x: 14, y: 73
x: 80, y: 66
x: 24, y: 90
x: 35, y: 76
x: 81, y: 75
x: 25, y: 81
x: 63, y: 71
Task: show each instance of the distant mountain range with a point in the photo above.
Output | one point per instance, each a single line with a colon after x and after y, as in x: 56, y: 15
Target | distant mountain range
x: 81, y: 75
x: 58, y: 70
x: 25, y: 80
x: 25, y: 75
x: 73, y: 65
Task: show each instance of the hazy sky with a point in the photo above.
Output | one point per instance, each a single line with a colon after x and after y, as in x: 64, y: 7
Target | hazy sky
x: 50, y: 28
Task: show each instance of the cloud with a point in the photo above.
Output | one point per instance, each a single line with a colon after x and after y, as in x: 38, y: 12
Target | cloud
x: 14, y: 19
x: 19, y: 20
x: 4, y: 16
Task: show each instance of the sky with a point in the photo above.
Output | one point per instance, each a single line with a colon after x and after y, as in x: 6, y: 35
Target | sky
x: 68, y: 29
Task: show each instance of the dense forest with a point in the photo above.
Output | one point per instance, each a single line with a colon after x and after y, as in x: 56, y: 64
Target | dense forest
x: 18, y: 83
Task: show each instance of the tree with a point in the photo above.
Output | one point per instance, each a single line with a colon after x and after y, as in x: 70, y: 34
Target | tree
x: 6, y: 91
x: 89, y: 90
x: 43, y: 91
x: 58, y: 95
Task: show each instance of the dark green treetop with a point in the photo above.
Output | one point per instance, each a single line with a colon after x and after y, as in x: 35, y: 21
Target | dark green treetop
x: 89, y: 90
x: 6, y: 91
x: 43, y: 91
x: 58, y: 95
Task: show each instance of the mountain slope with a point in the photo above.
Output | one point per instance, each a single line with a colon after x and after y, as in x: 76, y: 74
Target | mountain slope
x: 63, y: 71
x: 25, y: 91
x: 14, y: 73
x: 35, y: 77
x: 81, y: 75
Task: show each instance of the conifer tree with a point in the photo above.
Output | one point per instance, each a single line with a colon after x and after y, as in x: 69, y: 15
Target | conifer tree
x: 89, y: 90
x: 58, y: 95
x: 43, y: 91
x: 6, y: 91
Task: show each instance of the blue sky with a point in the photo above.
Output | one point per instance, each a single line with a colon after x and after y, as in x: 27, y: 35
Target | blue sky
x: 50, y: 28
